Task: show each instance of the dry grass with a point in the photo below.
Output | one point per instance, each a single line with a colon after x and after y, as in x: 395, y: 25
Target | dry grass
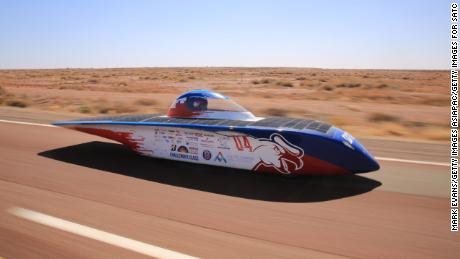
x: 275, y: 112
x: 146, y: 102
x: 382, y: 117
x: 261, y: 81
x: 84, y: 109
x: 16, y: 103
x: 435, y: 101
x: 105, y: 108
x: 395, y: 129
x: 328, y: 88
x: 285, y: 83
x: 338, y: 121
x: 125, y: 109
x: 348, y: 85
x: 436, y: 133
x: 265, y: 80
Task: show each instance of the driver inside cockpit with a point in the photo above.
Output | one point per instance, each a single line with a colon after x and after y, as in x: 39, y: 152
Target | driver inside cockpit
x: 197, y: 104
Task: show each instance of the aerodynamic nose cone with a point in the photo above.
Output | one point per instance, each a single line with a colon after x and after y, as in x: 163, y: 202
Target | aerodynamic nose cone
x: 358, y: 160
x: 367, y: 163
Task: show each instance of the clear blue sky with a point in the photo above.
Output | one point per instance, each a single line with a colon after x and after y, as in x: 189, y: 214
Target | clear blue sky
x: 138, y: 33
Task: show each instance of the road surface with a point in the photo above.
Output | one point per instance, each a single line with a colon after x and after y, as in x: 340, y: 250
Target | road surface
x: 94, y: 185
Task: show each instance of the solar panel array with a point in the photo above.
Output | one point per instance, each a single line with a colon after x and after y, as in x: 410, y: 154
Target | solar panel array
x: 269, y: 122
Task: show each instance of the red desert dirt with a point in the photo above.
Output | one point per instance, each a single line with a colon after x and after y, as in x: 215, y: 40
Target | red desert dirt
x: 386, y: 103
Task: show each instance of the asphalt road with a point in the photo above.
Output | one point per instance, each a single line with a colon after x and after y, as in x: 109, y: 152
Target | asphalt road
x: 401, y: 211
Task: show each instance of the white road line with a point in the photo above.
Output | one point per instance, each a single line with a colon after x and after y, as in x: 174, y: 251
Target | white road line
x: 411, y: 161
x: 28, y: 123
x: 378, y: 158
x: 99, y: 235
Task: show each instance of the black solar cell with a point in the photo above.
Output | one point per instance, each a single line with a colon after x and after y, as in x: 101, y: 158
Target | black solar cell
x: 289, y: 123
x: 272, y: 122
x: 301, y: 124
x: 312, y: 125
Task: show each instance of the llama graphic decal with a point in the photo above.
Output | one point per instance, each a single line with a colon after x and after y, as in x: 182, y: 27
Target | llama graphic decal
x: 279, y: 154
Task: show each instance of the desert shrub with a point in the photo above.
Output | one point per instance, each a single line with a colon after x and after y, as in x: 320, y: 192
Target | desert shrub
x: 382, y: 117
x: 276, y: 112
x: 122, y: 84
x: 103, y: 109
x: 84, y: 109
x: 395, y: 129
x: 348, y: 85
x: 93, y: 81
x: 262, y: 81
x: 183, y: 80
x: 418, y: 124
x: 265, y: 81
x: 146, y: 102
x: 328, y: 88
x: 301, y: 78
x: 121, y: 108
x: 16, y: 103
x: 2, y: 91
x: 191, y: 77
x: 285, y: 84
x: 102, y: 106
x: 147, y: 78
x: 70, y: 78
x: 435, y: 101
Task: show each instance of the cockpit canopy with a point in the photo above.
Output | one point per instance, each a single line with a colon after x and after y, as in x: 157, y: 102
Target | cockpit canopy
x: 208, y: 105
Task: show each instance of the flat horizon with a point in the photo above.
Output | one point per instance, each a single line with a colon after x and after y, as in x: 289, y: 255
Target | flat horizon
x: 235, y: 67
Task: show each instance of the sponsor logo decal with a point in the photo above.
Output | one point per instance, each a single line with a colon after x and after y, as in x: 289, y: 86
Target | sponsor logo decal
x: 223, y: 142
x: 347, y: 140
x: 192, y: 139
x: 182, y: 152
x: 193, y: 150
x: 182, y: 149
x: 220, y: 158
x: 207, y: 142
x: 278, y: 153
x: 207, y: 154
x: 184, y: 156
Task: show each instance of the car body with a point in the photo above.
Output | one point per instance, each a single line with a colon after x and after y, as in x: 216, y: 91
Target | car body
x: 206, y: 127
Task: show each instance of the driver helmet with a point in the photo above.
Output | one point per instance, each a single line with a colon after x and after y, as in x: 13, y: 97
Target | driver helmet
x: 197, y: 104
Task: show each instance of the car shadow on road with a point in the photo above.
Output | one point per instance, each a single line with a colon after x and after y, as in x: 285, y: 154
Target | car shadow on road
x: 118, y: 159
